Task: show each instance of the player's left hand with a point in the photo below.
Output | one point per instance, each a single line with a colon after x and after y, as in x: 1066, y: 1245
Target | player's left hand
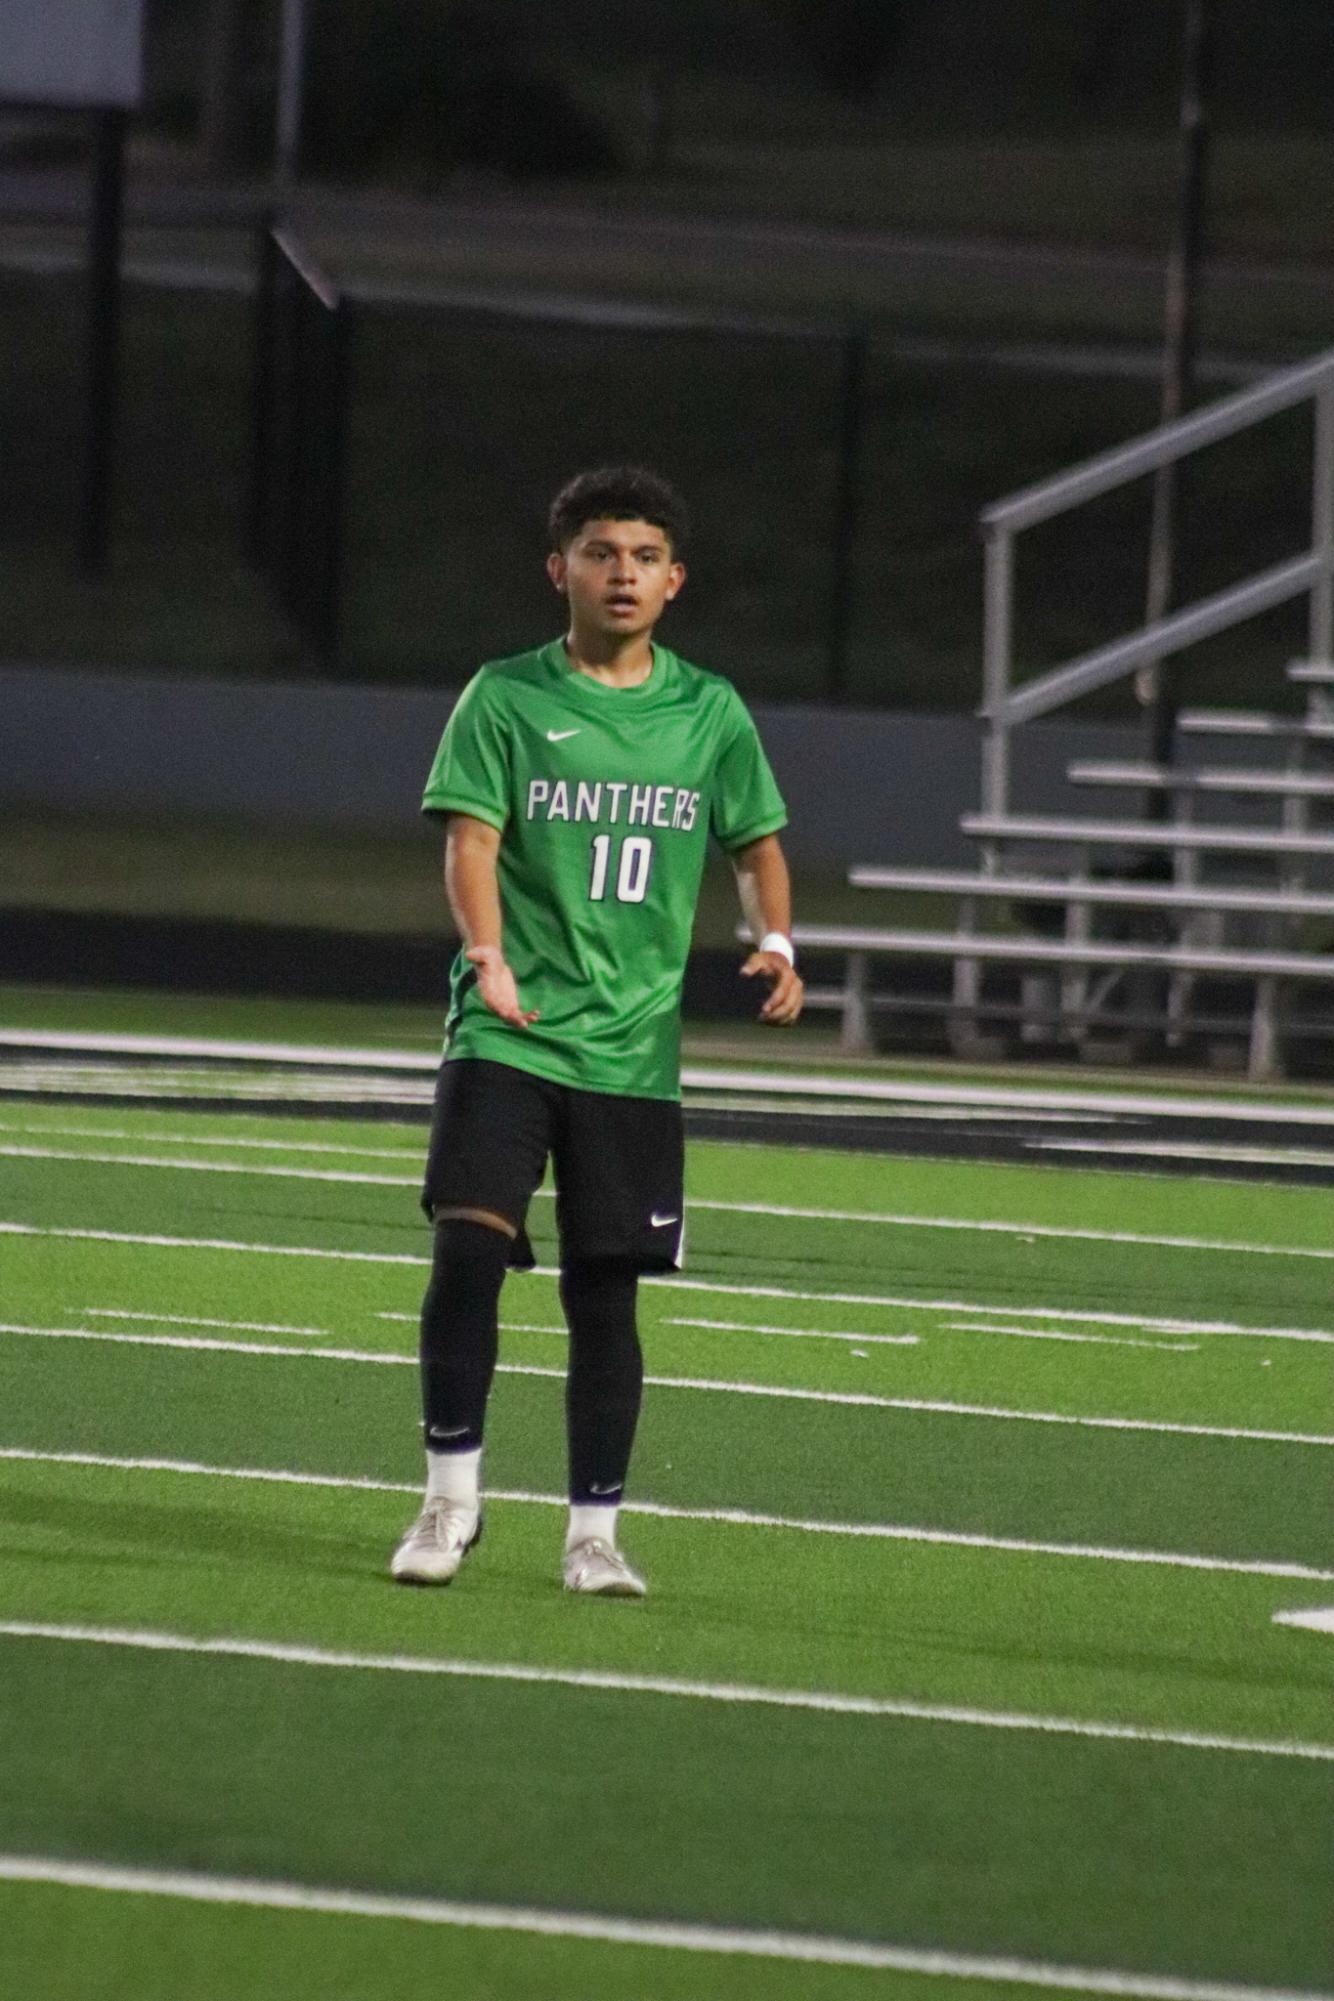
x: 787, y: 988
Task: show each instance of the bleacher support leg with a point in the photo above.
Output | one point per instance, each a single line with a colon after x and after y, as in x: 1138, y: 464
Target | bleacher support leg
x: 967, y: 981
x: 1038, y: 1000
x: 855, y: 1033
x: 1074, y: 983
x: 1263, y: 1061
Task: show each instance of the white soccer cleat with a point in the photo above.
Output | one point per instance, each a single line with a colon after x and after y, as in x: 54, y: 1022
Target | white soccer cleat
x: 436, y: 1544
x: 597, y: 1567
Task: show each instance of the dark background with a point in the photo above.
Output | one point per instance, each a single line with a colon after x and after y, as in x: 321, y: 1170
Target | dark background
x: 571, y: 238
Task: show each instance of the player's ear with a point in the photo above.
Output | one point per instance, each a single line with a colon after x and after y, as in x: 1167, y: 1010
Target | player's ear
x: 556, y: 570
x: 676, y: 576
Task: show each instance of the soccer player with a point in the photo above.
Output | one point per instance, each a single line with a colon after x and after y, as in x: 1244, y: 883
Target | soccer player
x: 579, y: 785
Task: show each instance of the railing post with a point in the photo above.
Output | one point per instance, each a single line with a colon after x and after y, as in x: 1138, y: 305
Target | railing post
x: 332, y: 476
x: 104, y: 253
x: 263, y: 393
x: 1322, y: 525
x: 294, y: 584
x: 295, y: 506
x: 998, y: 614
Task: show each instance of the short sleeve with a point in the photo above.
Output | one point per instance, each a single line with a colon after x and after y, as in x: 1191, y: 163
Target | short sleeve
x: 471, y: 772
x: 747, y: 803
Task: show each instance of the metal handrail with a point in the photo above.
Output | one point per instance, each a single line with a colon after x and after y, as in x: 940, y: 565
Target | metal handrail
x: 1158, y: 448
x: 1173, y: 634
x: 310, y: 273
x: 1309, y: 573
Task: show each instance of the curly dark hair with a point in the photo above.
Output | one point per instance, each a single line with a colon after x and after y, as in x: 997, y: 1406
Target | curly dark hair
x: 617, y: 493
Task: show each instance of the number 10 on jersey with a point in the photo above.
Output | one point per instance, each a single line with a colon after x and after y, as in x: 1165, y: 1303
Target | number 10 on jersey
x: 633, y: 868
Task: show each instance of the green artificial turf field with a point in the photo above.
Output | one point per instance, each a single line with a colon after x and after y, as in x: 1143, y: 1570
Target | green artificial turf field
x: 967, y: 1495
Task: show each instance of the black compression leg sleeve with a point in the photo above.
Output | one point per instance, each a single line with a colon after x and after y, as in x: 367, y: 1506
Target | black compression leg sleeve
x: 606, y: 1378
x: 458, y: 1332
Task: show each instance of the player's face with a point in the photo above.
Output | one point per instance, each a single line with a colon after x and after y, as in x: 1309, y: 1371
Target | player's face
x: 617, y: 575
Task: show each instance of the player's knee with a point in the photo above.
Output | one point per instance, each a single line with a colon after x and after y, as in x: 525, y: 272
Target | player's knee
x: 443, y: 1214
x: 468, y: 1264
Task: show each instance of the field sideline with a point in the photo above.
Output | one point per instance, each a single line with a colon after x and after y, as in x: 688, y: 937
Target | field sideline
x: 969, y: 1493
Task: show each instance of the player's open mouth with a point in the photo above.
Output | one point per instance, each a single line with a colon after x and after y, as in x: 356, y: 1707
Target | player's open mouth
x: 622, y: 603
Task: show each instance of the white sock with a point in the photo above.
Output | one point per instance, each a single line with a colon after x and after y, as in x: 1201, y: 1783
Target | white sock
x: 454, y: 1476
x: 586, y: 1522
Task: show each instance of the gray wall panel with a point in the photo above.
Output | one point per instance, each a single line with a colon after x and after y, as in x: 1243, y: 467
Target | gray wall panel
x: 862, y: 785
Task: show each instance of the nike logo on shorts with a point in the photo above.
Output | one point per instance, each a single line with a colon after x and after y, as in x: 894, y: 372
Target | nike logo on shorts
x: 559, y: 736
x: 658, y: 1222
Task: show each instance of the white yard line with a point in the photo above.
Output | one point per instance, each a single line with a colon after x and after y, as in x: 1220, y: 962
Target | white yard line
x: 416, y: 1152
x: 803, y: 1947
x: 198, y: 1320
x: 1026, y: 1098
x: 866, y: 1218
x: 1266, y: 1110
x: 215, y: 1244
x: 1212, y: 1152
x: 216, y: 1088
x: 1010, y: 1310
x: 506, y: 1326
x: 1315, y: 1619
x: 1061, y: 1334
x: 986, y: 1226
x: 940, y: 1407
x: 798, y: 1333
x: 354, y: 1178
x: 744, y: 1694
x: 730, y: 1517
x: 215, y: 1049
x: 863, y: 1399
x: 920, y: 1115
x: 721, y: 1289
x: 212, y: 1343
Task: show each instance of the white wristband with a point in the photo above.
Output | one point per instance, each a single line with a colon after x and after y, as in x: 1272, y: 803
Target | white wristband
x: 776, y: 941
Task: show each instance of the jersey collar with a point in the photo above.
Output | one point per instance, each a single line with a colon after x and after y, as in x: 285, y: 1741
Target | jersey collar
x: 583, y: 687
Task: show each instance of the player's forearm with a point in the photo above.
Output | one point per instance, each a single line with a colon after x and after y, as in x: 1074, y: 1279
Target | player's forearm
x: 472, y: 885
x: 764, y: 886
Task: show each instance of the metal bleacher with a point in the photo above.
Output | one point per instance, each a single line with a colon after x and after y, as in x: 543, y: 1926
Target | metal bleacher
x: 1200, y: 931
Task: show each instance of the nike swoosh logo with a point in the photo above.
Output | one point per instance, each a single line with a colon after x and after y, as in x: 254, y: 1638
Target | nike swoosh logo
x: 660, y: 1222
x: 559, y: 736
x: 594, y: 1488
x: 460, y: 1431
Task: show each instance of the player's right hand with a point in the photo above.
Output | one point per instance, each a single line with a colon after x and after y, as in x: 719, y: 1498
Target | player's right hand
x: 495, y: 983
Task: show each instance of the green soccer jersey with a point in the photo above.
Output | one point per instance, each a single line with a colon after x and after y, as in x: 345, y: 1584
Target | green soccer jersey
x: 605, y: 799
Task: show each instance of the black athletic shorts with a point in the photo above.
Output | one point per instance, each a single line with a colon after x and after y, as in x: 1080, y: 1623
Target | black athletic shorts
x: 619, y: 1162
